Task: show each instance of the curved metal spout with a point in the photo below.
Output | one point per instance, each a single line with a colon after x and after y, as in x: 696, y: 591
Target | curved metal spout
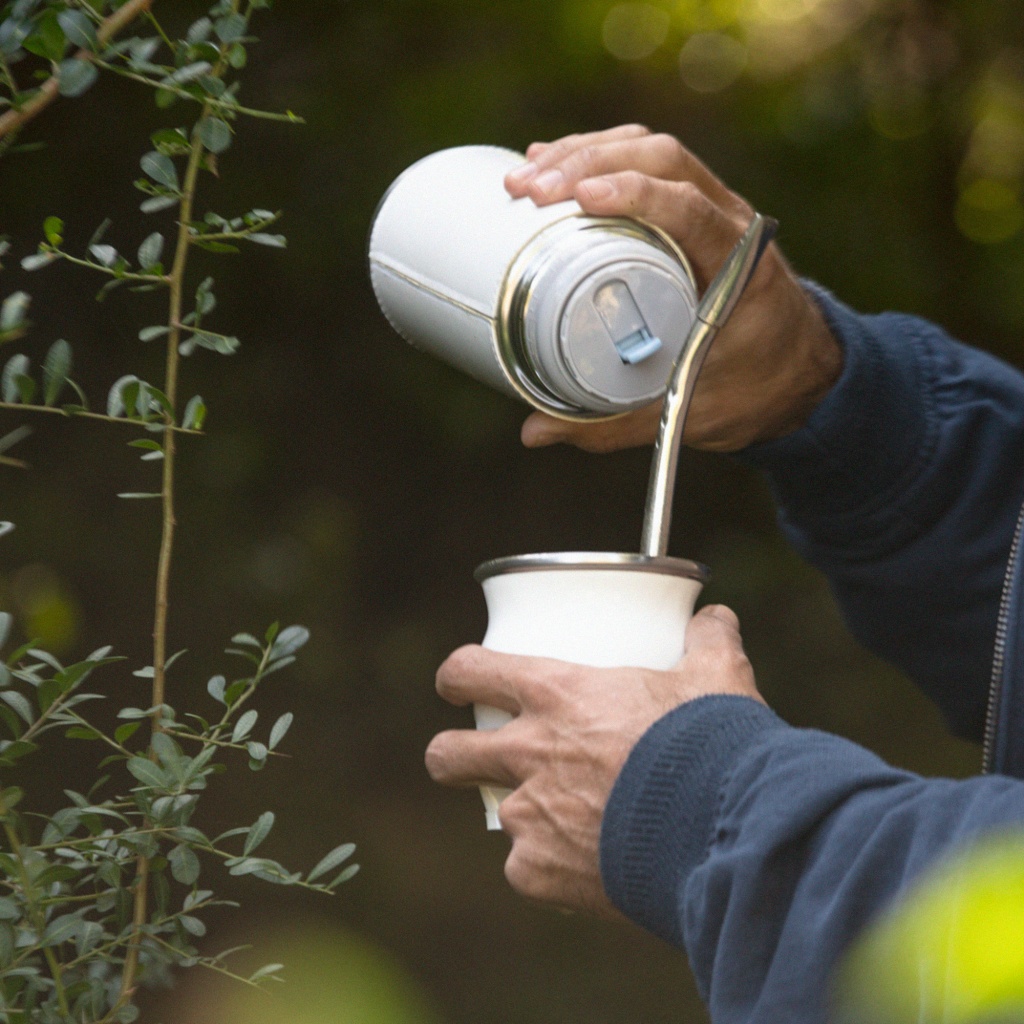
x: 718, y: 302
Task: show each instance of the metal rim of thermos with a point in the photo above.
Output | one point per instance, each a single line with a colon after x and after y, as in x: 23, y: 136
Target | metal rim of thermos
x: 517, y: 291
x: 615, y: 561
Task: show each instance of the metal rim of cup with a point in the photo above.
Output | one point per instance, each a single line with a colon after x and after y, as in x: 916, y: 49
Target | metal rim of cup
x: 555, y: 561
x: 517, y: 290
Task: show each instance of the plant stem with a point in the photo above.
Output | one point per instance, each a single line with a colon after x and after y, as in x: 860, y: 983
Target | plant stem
x: 50, y: 89
x: 163, y: 575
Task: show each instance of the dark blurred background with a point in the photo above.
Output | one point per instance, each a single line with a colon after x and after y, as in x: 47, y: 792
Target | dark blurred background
x: 351, y: 484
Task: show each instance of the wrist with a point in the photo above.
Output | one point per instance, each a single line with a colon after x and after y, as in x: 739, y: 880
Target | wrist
x: 807, y: 375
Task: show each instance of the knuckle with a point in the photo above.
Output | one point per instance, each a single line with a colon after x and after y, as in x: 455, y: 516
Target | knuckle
x: 454, y: 667
x: 637, y: 187
x: 581, y: 163
x: 636, y: 129
x: 667, y: 146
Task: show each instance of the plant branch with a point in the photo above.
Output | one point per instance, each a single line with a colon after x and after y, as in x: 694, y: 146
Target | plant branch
x: 209, y: 102
x: 15, y: 119
x: 85, y: 414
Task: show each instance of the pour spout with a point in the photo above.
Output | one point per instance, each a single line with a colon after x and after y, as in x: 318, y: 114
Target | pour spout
x: 718, y: 302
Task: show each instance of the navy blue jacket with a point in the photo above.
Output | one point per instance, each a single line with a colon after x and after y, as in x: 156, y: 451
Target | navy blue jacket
x: 764, y: 849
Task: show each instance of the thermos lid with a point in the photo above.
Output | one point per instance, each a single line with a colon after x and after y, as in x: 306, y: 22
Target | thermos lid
x: 605, y: 314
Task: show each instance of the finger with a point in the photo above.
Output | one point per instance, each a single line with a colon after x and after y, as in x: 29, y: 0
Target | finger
x: 464, y: 758
x: 511, y: 682
x: 705, y: 231
x: 714, y: 626
x: 542, y: 154
x: 659, y: 156
x: 630, y: 431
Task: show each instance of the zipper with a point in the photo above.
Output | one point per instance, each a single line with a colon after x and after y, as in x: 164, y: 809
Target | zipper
x: 998, y: 656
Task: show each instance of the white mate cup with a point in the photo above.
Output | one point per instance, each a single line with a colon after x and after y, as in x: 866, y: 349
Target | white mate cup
x: 593, y: 608
x: 579, y: 316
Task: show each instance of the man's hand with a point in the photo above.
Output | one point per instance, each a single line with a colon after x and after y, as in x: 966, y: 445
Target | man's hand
x: 774, y: 360
x: 574, y: 728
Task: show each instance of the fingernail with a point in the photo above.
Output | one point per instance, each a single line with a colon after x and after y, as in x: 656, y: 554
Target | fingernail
x: 527, y: 170
x: 550, y: 182
x: 599, y: 189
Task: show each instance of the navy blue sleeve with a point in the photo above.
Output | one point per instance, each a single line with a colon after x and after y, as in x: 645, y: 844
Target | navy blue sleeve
x: 904, y: 489
x: 767, y: 858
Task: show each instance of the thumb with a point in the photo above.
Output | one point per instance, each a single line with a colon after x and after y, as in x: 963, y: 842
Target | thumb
x: 714, y: 626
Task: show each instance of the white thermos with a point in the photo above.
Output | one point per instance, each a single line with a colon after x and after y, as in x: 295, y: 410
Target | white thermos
x: 579, y: 316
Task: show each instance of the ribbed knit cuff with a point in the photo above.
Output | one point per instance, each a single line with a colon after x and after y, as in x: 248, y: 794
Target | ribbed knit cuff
x: 659, y: 820
x: 869, y: 434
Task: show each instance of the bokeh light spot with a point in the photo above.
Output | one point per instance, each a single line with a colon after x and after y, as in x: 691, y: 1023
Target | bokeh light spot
x: 711, y: 61
x: 989, y: 211
x: 634, y: 31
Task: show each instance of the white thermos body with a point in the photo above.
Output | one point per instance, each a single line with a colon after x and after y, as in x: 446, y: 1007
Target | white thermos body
x: 579, y: 316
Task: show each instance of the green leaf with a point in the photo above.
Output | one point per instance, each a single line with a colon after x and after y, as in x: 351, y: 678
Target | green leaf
x: 257, y: 751
x: 215, y: 134
x: 125, y: 732
x: 281, y: 726
x: 161, y: 169
x: 6, y: 621
x: 53, y: 229
x: 184, y: 864
x: 144, y: 673
x: 337, y: 856
x: 38, y: 260
x: 259, y: 831
x: 106, y: 255
x: 158, y: 203
x: 78, y: 29
x: 139, y: 496
x: 48, y: 39
x: 192, y: 925
x: 13, y: 310
x: 75, y: 76
x: 26, y: 388
x: 150, y: 251
x: 56, y: 368
x: 19, y: 702
x: 194, y: 415
x: 82, y: 732
x: 146, y: 772
x: 61, y: 929
x: 349, y: 872
x: 242, y: 727
x: 116, y: 404
x: 230, y: 28
x: 17, y: 749
x: 215, y: 688
x: 9, y: 910
x: 265, y: 972
x: 154, y: 332
x: 189, y: 73
x: 238, y: 57
x: 275, y: 241
x: 17, y: 366
x: 289, y: 641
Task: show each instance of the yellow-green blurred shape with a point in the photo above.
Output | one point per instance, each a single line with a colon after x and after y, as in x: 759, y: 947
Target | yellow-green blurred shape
x: 48, y: 613
x: 634, y: 31
x: 950, y: 953
x: 331, y: 976
x: 989, y: 211
x: 711, y: 61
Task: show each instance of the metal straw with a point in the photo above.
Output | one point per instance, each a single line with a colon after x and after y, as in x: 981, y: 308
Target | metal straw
x: 718, y: 302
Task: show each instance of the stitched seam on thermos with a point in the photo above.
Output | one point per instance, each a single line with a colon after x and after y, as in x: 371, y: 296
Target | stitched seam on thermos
x: 460, y: 302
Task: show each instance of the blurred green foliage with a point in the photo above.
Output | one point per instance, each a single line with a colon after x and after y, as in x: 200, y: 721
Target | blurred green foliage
x: 356, y: 483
